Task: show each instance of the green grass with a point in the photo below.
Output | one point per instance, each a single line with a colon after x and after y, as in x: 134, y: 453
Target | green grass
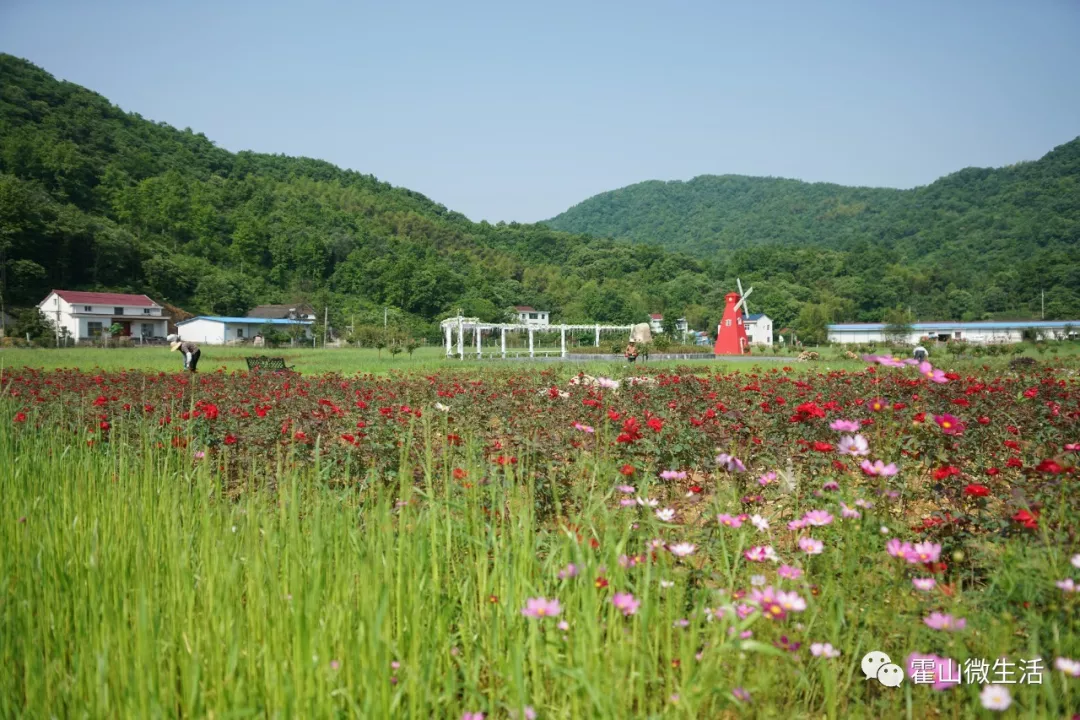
x: 349, y: 361
x: 134, y: 585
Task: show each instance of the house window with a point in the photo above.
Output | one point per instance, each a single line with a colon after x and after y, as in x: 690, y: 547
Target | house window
x: 93, y: 329
x: 87, y: 308
x: 146, y: 311
x: 533, y: 316
x: 239, y: 332
x: 148, y: 330
x: 957, y: 335
x: 118, y: 311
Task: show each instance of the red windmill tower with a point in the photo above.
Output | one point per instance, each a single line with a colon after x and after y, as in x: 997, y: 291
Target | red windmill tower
x: 731, y: 334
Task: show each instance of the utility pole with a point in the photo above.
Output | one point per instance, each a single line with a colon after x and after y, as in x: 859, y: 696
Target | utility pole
x: 384, y: 316
x: 58, y: 322
x: 1042, y: 315
x: 325, y: 324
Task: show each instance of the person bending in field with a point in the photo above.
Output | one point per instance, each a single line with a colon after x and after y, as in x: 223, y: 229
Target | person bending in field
x: 631, y: 351
x: 189, y: 350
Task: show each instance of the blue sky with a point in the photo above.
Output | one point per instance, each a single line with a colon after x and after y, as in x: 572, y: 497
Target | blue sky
x: 510, y: 110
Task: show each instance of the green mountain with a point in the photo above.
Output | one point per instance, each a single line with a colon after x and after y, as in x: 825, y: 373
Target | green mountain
x: 95, y: 198
x: 977, y: 243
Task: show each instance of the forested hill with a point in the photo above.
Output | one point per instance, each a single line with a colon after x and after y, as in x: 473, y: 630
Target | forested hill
x: 976, y: 241
x: 92, y: 197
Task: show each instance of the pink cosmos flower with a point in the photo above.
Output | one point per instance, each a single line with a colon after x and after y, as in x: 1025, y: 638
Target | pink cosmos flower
x: 898, y: 549
x: 884, y: 360
x: 924, y: 584
x: 583, y: 428
x: 924, y: 552
x: 682, y: 549
x: 740, y: 694
x: 743, y: 611
x: 767, y: 602
x: 1068, y: 666
x: 767, y: 478
x: 1068, y: 585
x: 627, y: 489
x: 759, y: 522
x: 797, y: 524
x: 1075, y: 561
x: 788, y: 572
x: 811, y: 546
x: 817, y: 518
x: 824, y: 650
x: 941, y: 621
x: 995, y: 697
x: 199, y: 454
x: 541, y: 607
x: 927, y: 371
x: 472, y: 716
x: 864, y: 504
x: 673, y: 475
x: 563, y: 625
x: 849, y: 513
x: 681, y: 623
x: 791, y: 601
x: 729, y: 520
x: 626, y: 603
x: 627, y: 502
x: 730, y: 463
x: 949, y: 424
x: 878, y: 468
x: 665, y: 515
x: 854, y: 446
x: 760, y: 553
x: 845, y: 425
x: 647, y: 502
x: 831, y: 485
x: 569, y: 571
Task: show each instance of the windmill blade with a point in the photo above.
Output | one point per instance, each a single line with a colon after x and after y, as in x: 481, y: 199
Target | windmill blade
x: 742, y: 302
x: 738, y: 282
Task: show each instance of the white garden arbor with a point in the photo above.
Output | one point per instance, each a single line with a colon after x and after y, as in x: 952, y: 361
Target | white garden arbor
x: 455, y: 329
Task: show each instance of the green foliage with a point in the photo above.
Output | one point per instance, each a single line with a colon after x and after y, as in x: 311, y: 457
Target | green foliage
x: 898, y: 323
x: 976, y: 242
x: 95, y: 198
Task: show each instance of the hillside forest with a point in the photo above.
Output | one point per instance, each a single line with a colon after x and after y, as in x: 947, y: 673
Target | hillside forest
x: 96, y: 198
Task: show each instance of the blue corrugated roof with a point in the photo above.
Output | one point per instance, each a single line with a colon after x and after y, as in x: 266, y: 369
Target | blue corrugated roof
x: 1007, y: 325
x: 246, y: 320
x: 755, y: 316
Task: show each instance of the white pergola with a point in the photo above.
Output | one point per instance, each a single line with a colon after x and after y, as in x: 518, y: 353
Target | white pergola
x: 460, y: 325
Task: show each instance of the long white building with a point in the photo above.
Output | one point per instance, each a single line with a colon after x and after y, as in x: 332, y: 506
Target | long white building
x: 759, y: 330
x: 86, y: 315
x: 973, y: 332
x: 216, y: 330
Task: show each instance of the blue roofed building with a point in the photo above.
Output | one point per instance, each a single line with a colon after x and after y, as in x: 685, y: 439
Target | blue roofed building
x: 1005, y: 331
x: 217, y: 330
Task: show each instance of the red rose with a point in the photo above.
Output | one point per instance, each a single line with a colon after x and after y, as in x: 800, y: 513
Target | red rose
x: 977, y: 490
x: 992, y: 471
x: 1050, y: 466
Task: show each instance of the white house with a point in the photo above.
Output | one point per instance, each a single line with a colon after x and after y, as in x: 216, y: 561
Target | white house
x: 214, y: 330
x: 973, y: 332
x: 656, y: 323
x: 531, y: 316
x: 759, y: 330
x: 88, y: 315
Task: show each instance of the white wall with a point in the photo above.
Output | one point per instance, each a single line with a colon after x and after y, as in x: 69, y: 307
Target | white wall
x: 207, y: 332
x: 760, y: 331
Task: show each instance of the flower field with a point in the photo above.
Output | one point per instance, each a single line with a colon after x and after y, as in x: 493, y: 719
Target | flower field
x: 523, y: 543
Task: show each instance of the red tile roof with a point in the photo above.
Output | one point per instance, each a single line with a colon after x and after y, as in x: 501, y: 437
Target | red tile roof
x: 657, y: 316
x: 524, y: 308
x: 95, y: 298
